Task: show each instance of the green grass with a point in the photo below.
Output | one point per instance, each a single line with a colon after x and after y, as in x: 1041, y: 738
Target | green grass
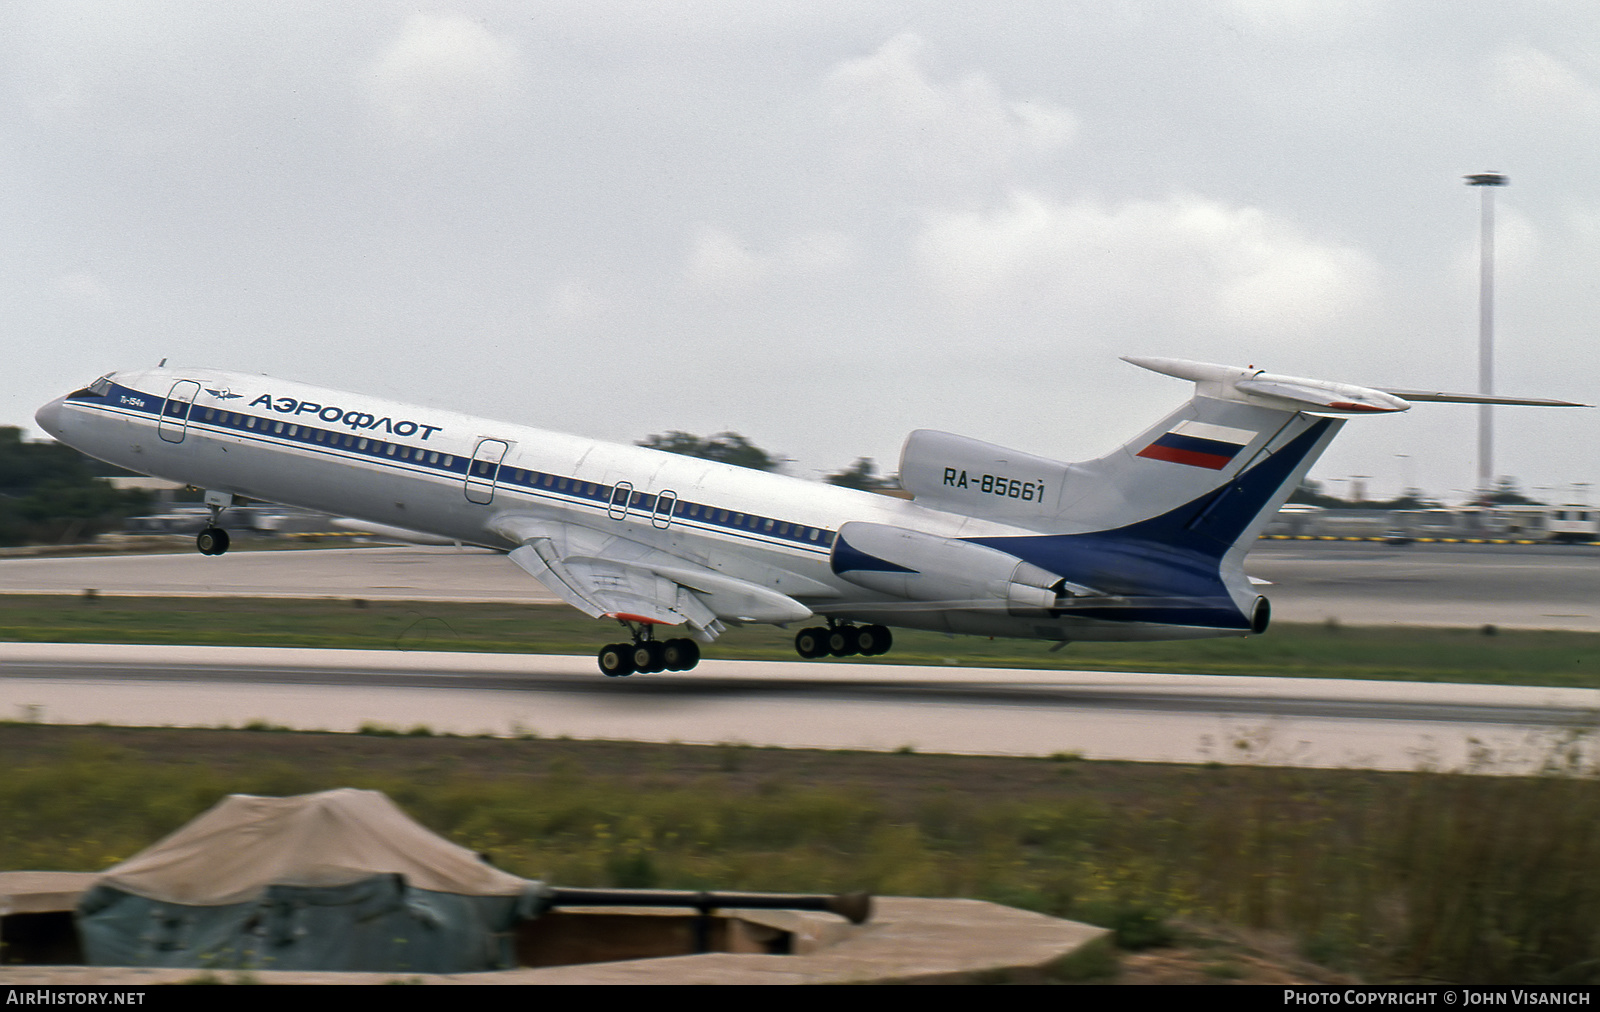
x: 1393, y: 877
x: 1324, y: 651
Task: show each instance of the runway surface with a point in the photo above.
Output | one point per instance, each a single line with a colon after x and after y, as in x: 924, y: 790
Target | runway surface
x: 1102, y: 715
x: 1512, y: 586
x: 1099, y: 715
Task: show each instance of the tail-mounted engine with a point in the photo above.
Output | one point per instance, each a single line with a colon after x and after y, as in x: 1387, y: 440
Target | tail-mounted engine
x: 957, y: 574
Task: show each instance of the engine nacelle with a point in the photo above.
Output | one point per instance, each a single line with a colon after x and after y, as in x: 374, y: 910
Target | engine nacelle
x: 925, y: 567
x: 978, y: 479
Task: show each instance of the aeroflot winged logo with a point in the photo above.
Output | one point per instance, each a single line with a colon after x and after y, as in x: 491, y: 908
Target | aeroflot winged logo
x: 1199, y: 444
x: 356, y: 420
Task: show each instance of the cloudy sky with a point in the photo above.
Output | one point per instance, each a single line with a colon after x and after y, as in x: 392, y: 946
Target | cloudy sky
x: 818, y: 224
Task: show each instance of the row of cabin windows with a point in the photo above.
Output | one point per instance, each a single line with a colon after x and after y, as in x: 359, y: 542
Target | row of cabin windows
x: 349, y: 441
x: 531, y: 479
x: 648, y: 503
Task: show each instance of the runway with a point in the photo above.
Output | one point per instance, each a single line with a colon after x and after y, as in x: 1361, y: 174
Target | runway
x: 1363, y: 583
x: 1512, y: 586
x: 1098, y: 715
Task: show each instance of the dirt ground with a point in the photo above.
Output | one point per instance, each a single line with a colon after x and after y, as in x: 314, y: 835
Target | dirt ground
x: 1220, y: 956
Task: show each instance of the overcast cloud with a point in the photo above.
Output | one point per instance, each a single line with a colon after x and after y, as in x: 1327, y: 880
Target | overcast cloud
x: 818, y: 224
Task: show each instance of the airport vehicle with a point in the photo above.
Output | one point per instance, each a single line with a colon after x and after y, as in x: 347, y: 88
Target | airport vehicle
x: 1574, y: 523
x: 1147, y: 542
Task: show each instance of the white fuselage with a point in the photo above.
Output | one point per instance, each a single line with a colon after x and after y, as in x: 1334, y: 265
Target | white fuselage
x: 434, y: 472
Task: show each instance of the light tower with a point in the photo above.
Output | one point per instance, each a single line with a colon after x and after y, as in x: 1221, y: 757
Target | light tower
x: 1487, y: 180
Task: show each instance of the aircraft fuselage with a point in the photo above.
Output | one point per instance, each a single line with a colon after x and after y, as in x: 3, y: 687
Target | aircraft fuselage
x: 451, y: 475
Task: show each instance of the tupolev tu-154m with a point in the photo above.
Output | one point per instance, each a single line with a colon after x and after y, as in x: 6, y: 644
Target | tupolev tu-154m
x: 1145, y: 543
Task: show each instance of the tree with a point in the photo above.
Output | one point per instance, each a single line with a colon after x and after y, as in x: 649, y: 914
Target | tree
x: 724, y: 447
x: 863, y: 474
x: 1310, y: 494
x: 48, y: 493
x: 1506, y: 493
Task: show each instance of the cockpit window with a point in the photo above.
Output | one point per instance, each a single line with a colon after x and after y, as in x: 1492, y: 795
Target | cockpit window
x: 99, y: 388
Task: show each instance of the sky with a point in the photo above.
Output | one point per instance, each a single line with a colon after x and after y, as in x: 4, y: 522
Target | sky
x: 818, y: 224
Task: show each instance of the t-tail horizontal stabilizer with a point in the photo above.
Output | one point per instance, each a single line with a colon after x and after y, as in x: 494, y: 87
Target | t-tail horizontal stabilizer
x: 1268, y: 390
x: 1257, y: 386
x: 1447, y: 398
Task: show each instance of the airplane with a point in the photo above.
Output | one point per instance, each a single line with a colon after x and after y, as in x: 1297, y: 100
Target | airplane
x: 1145, y: 543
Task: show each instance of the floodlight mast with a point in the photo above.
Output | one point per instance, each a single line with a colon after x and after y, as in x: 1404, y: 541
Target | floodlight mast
x: 1488, y: 181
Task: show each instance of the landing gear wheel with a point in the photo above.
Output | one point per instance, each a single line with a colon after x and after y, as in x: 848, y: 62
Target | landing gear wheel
x: 811, y: 643
x: 616, y: 660
x: 212, y: 541
x: 842, y: 641
x: 681, y: 654
x: 874, y: 640
x: 648, y: 657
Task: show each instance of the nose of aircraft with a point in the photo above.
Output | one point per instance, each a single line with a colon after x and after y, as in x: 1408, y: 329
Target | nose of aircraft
x: 49, y: 417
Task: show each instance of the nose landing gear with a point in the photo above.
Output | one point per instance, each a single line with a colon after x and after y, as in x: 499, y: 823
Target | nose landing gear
x: 214, y: 540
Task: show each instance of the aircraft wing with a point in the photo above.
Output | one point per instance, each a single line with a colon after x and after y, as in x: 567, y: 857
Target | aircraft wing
x: 605, y: 575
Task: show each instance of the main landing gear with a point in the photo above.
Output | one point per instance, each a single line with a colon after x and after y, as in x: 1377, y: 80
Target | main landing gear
x: 214, y: 540
x: 646, y: 655
x: 843, y: 640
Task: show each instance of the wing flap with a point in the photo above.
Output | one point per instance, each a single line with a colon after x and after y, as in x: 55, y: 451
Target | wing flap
x: 605, y: 575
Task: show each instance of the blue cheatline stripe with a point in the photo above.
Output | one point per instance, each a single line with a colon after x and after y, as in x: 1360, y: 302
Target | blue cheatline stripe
x: 423, y: 460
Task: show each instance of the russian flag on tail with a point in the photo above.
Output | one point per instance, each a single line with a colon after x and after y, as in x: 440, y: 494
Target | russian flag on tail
x: 1199, y: 444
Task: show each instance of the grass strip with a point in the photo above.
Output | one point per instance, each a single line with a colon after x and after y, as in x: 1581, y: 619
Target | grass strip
x: 1393, y: 877
x: 1508, y: 657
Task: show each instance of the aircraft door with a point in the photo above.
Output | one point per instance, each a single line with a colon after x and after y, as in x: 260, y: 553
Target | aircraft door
x: 175, y: 410
x: 666, y: 501
x: 621, y: 497
x: 483, y: 470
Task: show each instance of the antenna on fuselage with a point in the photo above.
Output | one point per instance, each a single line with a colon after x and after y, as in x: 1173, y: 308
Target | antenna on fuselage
x: 161, y: 364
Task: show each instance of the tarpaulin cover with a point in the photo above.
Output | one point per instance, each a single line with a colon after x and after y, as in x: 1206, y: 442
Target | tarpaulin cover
x: 341, y: 880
